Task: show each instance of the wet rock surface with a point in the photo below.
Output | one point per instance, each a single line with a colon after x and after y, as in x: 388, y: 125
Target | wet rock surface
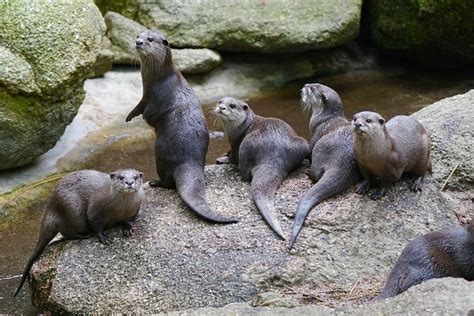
x: 175, y: 261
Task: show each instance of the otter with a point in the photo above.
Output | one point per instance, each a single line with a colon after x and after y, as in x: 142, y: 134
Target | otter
x: 170, y: 106
x: 265, y: 150
x: 386, y: 151
x: 446, y: 253
x: 333, y: 166
x: 87, y: 202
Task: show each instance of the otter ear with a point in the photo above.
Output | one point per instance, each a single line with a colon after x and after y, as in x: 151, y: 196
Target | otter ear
x: 112, y: 175
x: 140, y: 174
x: 245, y: 107
x: 381, y: 121
x: 324, y: 98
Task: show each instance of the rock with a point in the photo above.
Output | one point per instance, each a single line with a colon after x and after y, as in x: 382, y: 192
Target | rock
x: 451, y: 127
x: 176, y: 261
x: 123, y: 33
x: 47, y: 50
x: 446, y: 296
x: 262, y: 26
x: 104, y: 60
x: 423, y: 30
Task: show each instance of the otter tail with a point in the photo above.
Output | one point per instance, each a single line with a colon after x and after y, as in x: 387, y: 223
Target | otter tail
x: 47, y: 233
x: 265, y: 181
x: 331, y: 183
x: 191, y: 188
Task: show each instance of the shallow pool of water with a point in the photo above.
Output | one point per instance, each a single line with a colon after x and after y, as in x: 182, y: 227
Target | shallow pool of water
x: 388, y: 91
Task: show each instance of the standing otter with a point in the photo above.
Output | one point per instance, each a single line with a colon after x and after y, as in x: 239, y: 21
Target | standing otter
x: 386, y: 151
x: 265, y: 150
x: 447, y: 253
x: 171, y: 107
x: 86, y: 202
x: 333, y: 165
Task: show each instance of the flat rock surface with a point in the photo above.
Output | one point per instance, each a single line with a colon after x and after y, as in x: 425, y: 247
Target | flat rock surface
x: 175, y: 261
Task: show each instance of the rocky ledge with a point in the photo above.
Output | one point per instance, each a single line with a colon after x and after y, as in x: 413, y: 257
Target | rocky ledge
x: 175, y: 261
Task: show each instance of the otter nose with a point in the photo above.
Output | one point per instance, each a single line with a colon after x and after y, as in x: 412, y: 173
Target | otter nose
x: 139, y: 42
x: 129, y: 182
x: 222, y: 107
x: 357, y: 124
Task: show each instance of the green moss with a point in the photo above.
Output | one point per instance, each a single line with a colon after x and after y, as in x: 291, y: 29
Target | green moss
x: 427, y: 28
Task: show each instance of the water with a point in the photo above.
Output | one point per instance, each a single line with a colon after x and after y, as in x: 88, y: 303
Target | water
x: 388, y: 91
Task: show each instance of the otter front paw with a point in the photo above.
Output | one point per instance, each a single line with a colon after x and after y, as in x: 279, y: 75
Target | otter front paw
x: 104, y: 239
x: 130, y: 116
x: 377, y: 194
x: 415, y: 184
x: 127, y: 229
x: 362, y: 188
x: 223, y: 160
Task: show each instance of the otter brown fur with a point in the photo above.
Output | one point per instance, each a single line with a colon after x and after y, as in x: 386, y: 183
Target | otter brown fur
x: 265, y: 150
x: 170, y: 106
x: 447, y: 253
x: 386, y: 151
x: 88, y: 202
x: 333, y: 166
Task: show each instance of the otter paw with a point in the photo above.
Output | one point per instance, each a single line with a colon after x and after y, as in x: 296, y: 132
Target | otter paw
x: 156, y: 183
x: 223, y: 160
x: 362, y: 188
x: 127, y: 230
x: 415, y: 185
x: 377, y: 194
x: 104, y: 239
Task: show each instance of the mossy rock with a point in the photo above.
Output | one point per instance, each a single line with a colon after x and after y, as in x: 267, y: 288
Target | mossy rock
x: 263, y: 26
x: 47, y: 50
x: 434, y: 32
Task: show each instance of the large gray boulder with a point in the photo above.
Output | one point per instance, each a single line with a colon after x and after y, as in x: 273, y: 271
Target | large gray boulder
x: 123, y: 32
x: 177, y: 261
x: 451, y: 127
x: 263, y: 26
x: 46, y: 51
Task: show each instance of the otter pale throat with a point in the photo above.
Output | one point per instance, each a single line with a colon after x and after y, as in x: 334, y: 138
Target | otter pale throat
x: 386, y: 151
x: 265, y: 150
x: 170, y: 106
x: 88, y: 202
x: 333, y: 166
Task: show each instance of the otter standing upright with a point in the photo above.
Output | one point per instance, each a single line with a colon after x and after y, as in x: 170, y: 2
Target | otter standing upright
x: 265, y: 150
x: 171, y: 107
x: 386, y: 151
x: 333, y: 165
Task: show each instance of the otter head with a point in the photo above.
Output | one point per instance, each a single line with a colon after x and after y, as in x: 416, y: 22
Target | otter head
x: 153, y: 46
x: 126, y: 180
x: 366, y: 124
x: 231, y: 112
x: 320, y: 98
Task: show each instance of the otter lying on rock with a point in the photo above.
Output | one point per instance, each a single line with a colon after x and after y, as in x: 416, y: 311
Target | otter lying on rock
x: 386, y: 151
x: 88, y: 202
x: 265, y: 150
x: 447, y: 253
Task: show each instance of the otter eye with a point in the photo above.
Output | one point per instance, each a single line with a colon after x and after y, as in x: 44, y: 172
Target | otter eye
x: 120, y: 177
x: 135, y: 178
x: 245, y: 107
x: 138, y: 36
x: 323, y: 97
x: 150, y: 39
x: 368, y: 120
x: 232, y: 106
x: 381, y: 121
x: 165, y: 42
